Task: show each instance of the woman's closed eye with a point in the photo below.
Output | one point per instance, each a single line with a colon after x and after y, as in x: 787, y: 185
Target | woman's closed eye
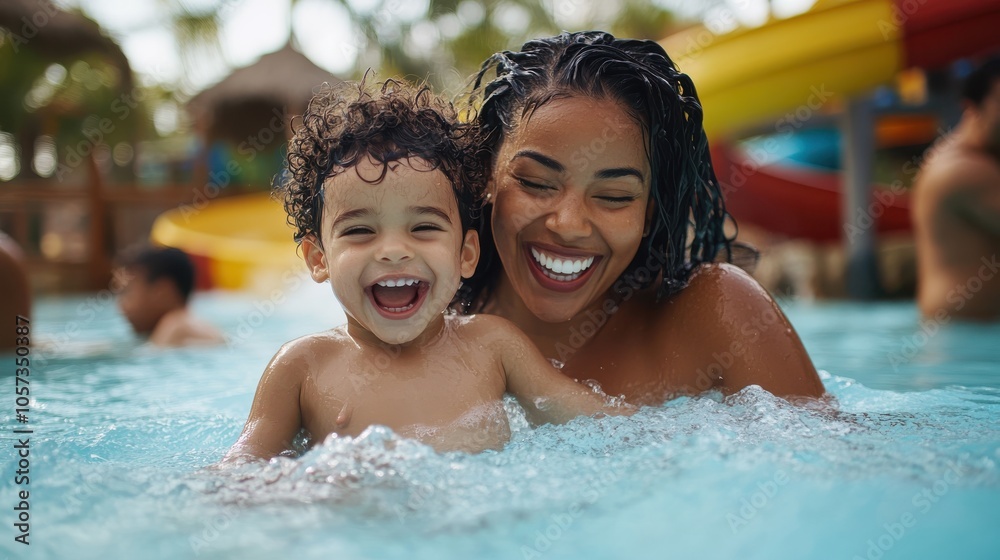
x: 618, y: 199
x: 533, y: 185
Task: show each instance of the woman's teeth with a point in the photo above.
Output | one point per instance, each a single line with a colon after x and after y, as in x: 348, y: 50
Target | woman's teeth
x: 563, y: 270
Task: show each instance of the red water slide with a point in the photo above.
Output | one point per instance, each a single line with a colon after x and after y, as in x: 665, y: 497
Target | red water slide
x: 806, y: 203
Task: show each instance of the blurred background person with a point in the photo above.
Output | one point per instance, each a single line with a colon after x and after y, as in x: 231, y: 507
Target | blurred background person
x: 956, y: 209
x: 156, y: 285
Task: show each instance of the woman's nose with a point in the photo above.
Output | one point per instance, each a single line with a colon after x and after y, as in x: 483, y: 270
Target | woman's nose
x: 570, y: 218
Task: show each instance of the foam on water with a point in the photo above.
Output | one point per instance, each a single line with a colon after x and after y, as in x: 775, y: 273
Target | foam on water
x: 124, y: 442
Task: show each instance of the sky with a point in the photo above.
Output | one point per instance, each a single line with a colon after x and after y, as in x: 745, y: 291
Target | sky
x: 251, y: 28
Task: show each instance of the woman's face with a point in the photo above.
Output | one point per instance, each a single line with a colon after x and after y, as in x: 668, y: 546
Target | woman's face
x: 570, y: 191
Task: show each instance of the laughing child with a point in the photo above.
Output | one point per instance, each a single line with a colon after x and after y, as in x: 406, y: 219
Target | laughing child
x: 382, y: 191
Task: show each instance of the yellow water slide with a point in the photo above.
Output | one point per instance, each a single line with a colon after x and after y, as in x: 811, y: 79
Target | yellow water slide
x: 780, y: 73
x: 790, y: 68
x: 743, y: 78
x: 239, y: 242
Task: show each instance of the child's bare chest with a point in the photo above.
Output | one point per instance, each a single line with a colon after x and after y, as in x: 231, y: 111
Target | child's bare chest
x: 448, y: 402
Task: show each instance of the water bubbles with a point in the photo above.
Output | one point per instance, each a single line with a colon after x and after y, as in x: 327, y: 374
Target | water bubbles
x: 825, y: 476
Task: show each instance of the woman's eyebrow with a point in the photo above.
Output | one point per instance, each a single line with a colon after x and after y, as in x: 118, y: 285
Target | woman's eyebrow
x: 610, y: 173
x: 616, y: 172
x: 542, y: 159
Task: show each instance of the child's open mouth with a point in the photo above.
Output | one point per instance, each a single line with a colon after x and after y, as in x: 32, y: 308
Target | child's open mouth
x: 398, y: 298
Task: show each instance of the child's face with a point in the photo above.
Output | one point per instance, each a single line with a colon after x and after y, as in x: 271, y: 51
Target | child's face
x: 395, y: 251
x: 138, y: 299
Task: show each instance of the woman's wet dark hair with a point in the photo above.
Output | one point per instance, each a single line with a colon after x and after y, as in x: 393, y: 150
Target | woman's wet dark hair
x: 390, y: 122
x: 688, y: 220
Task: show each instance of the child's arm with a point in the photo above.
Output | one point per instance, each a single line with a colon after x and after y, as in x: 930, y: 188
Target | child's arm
x: 546, y: 395
x: 275, y: 416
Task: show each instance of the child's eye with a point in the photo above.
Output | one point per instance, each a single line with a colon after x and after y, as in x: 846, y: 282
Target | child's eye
x: 428, y: 227
x: 357, y: 230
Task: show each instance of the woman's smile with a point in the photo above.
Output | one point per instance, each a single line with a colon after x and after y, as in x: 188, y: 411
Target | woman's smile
x: 567, y: 219
x: 558, y: 270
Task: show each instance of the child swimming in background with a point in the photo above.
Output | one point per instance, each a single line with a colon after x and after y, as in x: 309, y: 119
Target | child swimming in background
x: 382, y: 192
x: 156, y: 285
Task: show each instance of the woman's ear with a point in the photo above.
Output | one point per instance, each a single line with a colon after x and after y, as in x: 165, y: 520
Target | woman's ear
x: 491, y: 189
x: 470, y: 253
x: 312, y: 252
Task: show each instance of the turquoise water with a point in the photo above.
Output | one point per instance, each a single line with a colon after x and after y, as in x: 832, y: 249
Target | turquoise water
x: 907, y: 469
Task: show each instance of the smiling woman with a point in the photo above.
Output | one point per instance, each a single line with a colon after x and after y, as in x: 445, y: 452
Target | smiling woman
x: 605, y: 219
x: 599, y: 224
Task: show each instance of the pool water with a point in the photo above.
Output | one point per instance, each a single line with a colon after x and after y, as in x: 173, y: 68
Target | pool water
x: 123, y: 434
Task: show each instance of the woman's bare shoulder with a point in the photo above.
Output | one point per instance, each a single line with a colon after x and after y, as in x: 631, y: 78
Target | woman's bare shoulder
x: 714, y: 291
x: 725, y: 312
x: 724, y: 279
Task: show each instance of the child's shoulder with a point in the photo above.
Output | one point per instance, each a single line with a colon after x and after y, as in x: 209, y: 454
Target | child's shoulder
x: 484, y: 325
x: 479, y: 320
x: 313, y: 347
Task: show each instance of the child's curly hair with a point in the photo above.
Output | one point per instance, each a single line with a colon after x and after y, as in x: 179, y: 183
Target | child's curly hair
x: 396, y: 121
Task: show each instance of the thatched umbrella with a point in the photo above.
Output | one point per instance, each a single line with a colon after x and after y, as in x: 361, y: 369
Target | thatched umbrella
x: 246, y: 102
x: 41, y: 26
x: 50, y: 33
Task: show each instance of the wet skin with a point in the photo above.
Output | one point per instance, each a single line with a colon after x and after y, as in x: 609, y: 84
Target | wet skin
x: 956, y: 216
x: 400, y: 362
x: 571, y: 183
